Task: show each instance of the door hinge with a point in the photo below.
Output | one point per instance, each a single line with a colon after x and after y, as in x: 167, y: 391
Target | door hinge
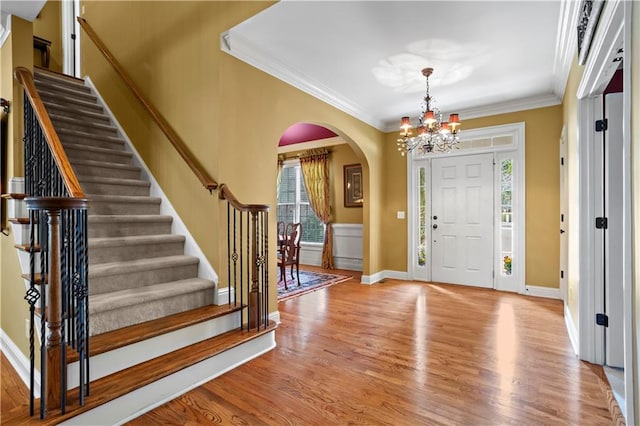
x: 602, y: 319
x: 601, y: 222
x: 561, y: 274
x: 73, y: 36
x: 601, y: 125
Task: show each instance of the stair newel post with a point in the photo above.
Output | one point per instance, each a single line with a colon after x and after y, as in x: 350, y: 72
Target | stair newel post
x: 55, y: 366
x: 254, y: 294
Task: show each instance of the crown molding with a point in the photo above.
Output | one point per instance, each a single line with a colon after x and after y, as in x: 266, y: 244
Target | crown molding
x: 566, y: 45
x: 240, y: 48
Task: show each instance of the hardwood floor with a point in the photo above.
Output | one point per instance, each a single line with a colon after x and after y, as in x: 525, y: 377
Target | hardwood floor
x: 401, y: 353
x: 405, y: 353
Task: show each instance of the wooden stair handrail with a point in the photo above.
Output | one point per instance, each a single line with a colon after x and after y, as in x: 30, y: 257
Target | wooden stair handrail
x: 166, y: 128
x: 25, y: 78
x: 225, y: 194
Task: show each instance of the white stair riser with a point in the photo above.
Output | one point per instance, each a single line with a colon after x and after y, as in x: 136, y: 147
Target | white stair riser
x: 117, y: 282
x: 116, y: 360
x: 21, y: 233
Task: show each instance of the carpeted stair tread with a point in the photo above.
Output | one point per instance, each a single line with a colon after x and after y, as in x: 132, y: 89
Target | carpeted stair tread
x: 134, y: 241
x: 123, y: 199
x: 109, y: 218
x: 114, y: 181
x: 105, y: 164
x: 123, y: 204
x: 47, y: 74
x: 119, y: 152
x: 65, y: 122
x: 56, y: 97
x: 119, y: 268
x: 130, y: 297
x: 61, y: 86
x: 69, y: 111
x: 89, y: 136
x: 53, y: 89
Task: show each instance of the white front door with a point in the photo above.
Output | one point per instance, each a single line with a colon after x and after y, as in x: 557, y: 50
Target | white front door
x: 462, y: 220
x: 613, y: 250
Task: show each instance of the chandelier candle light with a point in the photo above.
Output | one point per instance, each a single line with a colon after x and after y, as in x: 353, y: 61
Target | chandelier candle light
x: 433, y: 134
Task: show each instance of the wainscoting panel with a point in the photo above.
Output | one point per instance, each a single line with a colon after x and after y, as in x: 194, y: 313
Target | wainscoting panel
x: 347, y: 248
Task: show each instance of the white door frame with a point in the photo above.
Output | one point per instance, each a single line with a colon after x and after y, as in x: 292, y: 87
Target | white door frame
x: 70, y: 46
x: 613, y: 32
x: 564, y: 219
x: 517, y: 132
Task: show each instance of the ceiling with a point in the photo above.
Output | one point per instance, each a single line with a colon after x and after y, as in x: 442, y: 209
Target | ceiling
x: 366, y: 57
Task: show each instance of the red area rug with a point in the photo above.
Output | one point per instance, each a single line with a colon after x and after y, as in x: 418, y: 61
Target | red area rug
x: 309, y: 281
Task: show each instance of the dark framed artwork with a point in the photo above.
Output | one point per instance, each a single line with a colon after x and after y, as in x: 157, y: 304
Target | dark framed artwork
x: 353, y: 189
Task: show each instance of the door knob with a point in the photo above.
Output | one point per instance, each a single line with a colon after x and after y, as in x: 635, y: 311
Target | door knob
x: 435, y: 226
x: 562, y: 231
x: 435, y: 218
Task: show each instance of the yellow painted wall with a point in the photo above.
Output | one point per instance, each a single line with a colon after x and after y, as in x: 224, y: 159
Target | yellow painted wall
x: 570, y: 113
x: 340, y: 156
x: 542, y: 180
x: 17, y: 51
x: 48, y: 25
x: 230, y: 114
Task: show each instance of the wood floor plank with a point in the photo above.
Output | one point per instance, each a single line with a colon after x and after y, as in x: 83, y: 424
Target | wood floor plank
x: 405, y: 353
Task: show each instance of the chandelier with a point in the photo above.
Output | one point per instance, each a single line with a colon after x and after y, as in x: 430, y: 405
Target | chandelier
x: 433, y: 134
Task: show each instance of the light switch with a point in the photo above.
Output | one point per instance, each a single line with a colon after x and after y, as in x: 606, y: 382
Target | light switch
x: 400, y: 215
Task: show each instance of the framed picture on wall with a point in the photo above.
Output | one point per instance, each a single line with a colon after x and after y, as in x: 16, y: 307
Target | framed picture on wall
x: 353, y: 190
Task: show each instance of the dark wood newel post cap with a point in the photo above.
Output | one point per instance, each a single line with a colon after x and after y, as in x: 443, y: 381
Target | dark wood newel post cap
x: 56, y: 203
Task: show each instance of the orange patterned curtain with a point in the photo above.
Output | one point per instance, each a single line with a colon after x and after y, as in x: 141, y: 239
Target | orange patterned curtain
x: 314, y: 164
x: 279, y: 180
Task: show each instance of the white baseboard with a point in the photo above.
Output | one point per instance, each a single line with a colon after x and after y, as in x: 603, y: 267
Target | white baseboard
x: 275, y: 316
x: 380, y: 276
x: 571, y: 330
x: 18, y: 361
x: 547, y: 292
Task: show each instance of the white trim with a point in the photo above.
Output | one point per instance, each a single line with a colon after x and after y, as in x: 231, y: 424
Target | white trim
x: 631, y: 369
x: 533, y: 102
x: 275, y: 316
x: 191, y: 247
x: 240, y: 48
x: 613, y: 32
x: 588, y: 110
x: 319, y: 143
x: 546, y: 292
x: 566, y: 45
x: 382, y: 275
x: 68, y: 25
x: 18, y: 361
x: 607, y: 40
x: 571, y: 330
x: 517, y: 132
x: 146, y: 398
x: 5, y: 27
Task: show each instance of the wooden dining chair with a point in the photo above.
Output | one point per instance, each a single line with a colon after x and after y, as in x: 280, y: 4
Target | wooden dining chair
x: 289, y: 253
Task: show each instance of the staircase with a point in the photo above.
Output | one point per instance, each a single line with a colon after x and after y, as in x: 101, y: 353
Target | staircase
x: 157, y: 328
x: 138, y: 270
